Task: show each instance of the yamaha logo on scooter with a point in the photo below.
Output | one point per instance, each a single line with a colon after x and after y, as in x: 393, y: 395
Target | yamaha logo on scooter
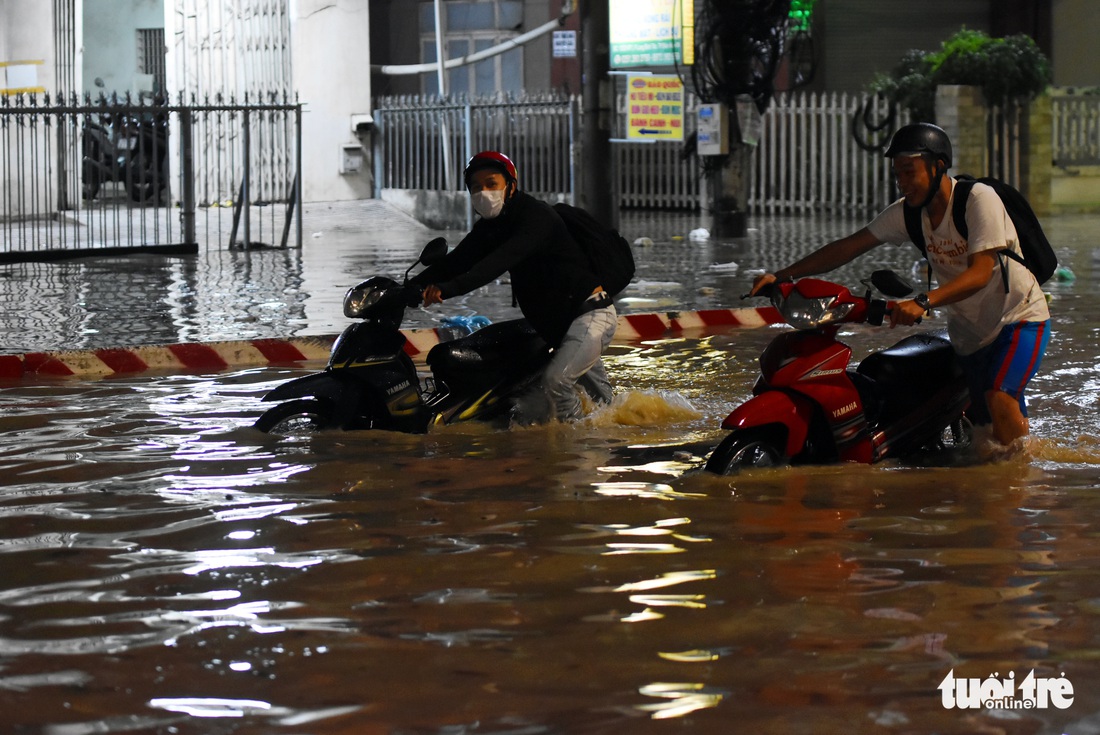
x: 398, y: 388
x: 845, y: 409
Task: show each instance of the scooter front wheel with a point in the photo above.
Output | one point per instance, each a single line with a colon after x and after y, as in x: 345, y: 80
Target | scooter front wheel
x: 740, y: 451
x: 300, y: 416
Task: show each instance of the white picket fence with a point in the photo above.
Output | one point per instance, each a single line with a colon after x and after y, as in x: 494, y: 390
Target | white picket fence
x: 806, y: 160
x: 1076, y: 122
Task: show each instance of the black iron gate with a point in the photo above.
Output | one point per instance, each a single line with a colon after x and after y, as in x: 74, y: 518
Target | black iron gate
x: 83, y: 177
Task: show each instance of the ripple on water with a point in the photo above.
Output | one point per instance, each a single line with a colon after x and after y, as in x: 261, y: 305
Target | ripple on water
x: 167, y: 567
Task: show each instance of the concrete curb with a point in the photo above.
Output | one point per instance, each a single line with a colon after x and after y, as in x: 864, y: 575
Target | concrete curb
x: 217, y: 356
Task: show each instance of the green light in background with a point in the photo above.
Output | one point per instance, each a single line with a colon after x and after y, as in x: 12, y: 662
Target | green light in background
x: 801, y: 15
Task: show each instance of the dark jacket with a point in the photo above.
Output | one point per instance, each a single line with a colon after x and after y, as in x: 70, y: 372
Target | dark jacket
x: 550, y: 273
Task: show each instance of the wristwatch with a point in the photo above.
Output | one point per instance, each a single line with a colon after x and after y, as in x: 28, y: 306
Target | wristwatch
x: 922, y: 301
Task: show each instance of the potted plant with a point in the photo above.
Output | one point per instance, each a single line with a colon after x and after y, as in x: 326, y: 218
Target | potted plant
x: 1010, y: 70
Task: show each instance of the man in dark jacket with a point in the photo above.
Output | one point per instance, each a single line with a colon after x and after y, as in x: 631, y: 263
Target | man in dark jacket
x: 552, y: 282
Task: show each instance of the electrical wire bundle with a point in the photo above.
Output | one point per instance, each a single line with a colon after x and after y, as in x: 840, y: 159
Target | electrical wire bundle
x: 739, y: 45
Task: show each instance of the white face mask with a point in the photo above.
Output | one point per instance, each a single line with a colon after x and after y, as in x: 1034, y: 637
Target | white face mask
x: 488, y: 202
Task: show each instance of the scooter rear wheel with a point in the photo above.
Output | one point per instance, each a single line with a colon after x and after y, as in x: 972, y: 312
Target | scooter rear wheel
x: 740, y: 451
x: 959, y: 434
x: 299, y: 416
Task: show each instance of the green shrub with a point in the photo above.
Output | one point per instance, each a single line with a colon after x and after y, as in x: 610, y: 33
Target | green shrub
x: 1007, y: 70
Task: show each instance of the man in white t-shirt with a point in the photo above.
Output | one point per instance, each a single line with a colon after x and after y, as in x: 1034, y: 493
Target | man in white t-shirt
x: 997, y: 314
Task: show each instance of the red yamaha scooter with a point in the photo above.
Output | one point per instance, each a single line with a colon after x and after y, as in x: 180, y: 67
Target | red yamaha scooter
x: 810, y: 407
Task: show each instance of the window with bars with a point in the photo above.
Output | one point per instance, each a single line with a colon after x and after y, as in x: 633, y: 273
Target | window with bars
x: 470, y: 27
x: 150, y: 56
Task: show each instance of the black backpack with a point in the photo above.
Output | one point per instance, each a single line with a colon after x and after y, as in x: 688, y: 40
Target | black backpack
x: 1038, y: 255
x: 608, y: 252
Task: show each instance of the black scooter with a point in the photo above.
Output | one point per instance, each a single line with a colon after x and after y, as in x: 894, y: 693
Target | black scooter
x: 128, y: 144
x: 370, y: 382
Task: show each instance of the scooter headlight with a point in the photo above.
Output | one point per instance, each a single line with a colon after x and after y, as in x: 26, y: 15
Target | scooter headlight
x: 359, y: 299
x: 803, y: 312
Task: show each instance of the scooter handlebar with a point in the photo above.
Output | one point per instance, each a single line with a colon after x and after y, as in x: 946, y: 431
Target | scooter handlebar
x: 414, y: 295
x: 766, y: 291
x: 877, y: 309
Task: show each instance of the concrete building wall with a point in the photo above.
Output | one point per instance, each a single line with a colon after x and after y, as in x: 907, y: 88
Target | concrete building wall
x: 110, y: 42
x: 1076, y: 26
x: 859, y: 38
x: 331, y: 62
x: 26, y: 34
x: 23, y: 42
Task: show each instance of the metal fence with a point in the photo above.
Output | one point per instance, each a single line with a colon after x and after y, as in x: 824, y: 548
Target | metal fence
x: 1076, y: 123
x: 537, y: 131
x: 806, y: 158
x: 83, y: 176
x: 97, y: 176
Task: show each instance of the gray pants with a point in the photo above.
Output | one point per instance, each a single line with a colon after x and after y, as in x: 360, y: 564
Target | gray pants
x: 576, y: 363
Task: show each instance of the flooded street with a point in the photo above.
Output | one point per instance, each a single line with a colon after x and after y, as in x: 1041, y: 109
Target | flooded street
x: 167, y: 569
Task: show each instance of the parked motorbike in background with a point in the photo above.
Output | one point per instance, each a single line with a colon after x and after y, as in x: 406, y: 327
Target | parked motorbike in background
x: 809, y: 407
x: 370, y: 382
x: 128, y: 143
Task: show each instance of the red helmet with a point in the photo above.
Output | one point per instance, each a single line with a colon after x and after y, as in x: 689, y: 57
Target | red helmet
x: 490, y: 159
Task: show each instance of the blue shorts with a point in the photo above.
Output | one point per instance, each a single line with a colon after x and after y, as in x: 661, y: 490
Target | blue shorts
x: 1007, y: 364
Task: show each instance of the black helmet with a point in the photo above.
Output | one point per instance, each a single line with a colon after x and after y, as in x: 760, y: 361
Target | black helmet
x: 921, y: 138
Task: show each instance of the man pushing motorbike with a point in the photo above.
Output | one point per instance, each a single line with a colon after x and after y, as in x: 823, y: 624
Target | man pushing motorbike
x: 997, y: 315
x: 552, y: 282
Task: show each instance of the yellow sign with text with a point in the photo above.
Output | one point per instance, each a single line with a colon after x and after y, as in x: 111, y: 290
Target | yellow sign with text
x: 655, y: 107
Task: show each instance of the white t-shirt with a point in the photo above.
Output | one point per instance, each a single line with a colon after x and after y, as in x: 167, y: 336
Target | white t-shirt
x: 975, y: 321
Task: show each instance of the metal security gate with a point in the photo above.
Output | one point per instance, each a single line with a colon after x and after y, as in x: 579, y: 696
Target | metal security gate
x: 82, y: 177
x: 538, y: 132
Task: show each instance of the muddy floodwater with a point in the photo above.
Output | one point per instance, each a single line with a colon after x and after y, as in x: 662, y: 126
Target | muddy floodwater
x: 166, y: 569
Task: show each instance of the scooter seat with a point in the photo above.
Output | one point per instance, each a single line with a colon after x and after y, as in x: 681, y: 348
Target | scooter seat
x: 915, y: 360
x: 485, y: 357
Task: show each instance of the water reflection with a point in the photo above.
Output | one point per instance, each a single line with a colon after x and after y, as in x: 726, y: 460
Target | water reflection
x: 683, y: 699
x: 269, y: 582
x: 164, y: 567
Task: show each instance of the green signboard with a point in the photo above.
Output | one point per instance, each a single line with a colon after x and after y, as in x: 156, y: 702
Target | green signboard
x: 652, y: 33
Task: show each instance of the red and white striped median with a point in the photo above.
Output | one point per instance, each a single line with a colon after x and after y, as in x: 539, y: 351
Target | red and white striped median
x: 215, y: 356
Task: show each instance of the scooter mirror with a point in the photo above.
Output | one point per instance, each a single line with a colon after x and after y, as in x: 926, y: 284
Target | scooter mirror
x: 891, y: 284
x: 434, y: 251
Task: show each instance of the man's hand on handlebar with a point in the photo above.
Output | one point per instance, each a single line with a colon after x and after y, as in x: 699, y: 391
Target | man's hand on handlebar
x: 432, y: 295
x: 761, y: 284
x: 906, y: 313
